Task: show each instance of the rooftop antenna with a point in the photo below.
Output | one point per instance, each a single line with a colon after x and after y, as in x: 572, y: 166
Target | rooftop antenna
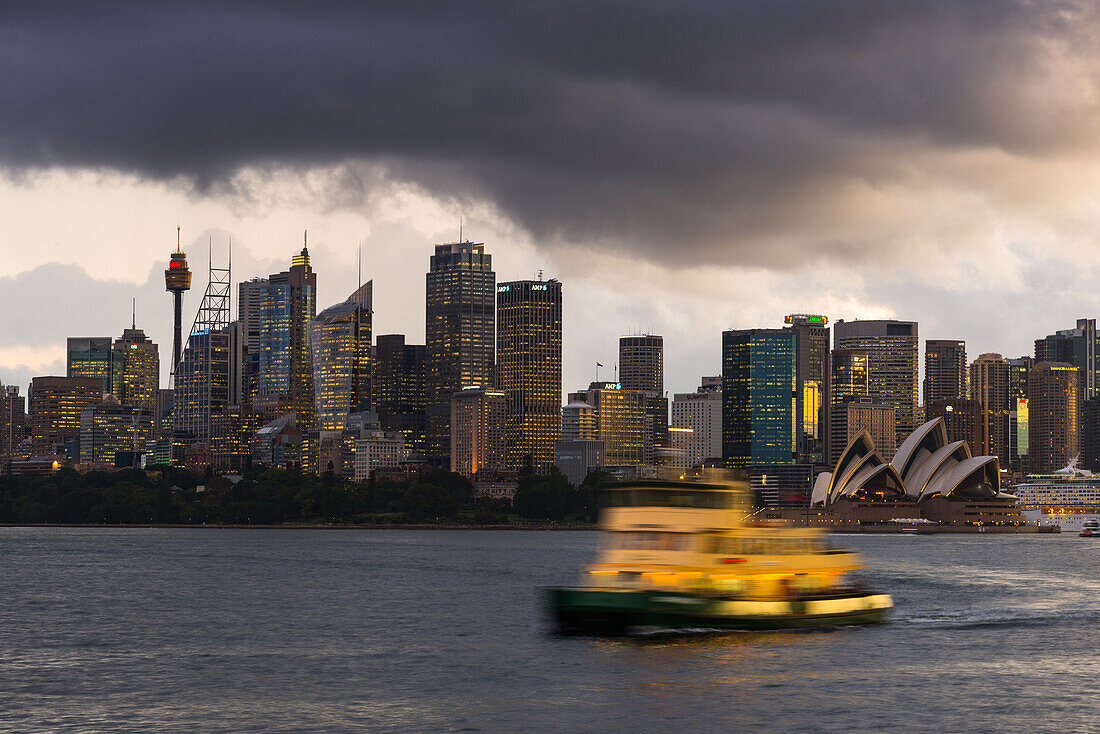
x: 305, y: 239
x: 540, y: 274
x: 133, y: 313
x: 460, y: 228
x: 177, y: 238
x: 360, y: 266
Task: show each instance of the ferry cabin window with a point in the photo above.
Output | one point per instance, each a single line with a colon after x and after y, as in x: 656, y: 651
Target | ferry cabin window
x: 694, y: 499
x: 732, y: 545
x: 652, y: 541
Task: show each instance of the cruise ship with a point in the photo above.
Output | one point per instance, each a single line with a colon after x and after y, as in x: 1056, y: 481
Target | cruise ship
x: 1068, y: 498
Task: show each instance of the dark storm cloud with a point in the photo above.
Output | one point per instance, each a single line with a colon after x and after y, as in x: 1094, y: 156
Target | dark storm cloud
x: 686, y: 131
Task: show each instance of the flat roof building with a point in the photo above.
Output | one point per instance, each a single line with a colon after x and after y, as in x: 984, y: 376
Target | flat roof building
x: 892, y: 352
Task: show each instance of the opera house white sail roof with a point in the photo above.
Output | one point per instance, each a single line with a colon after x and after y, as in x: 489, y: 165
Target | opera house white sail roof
x: 926, y: 465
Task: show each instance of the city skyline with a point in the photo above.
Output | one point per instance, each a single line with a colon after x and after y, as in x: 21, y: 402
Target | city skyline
x: 155, y: 318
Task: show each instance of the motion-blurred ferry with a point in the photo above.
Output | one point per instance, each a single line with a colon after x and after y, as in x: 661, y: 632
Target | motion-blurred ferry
x: 683, y: 554
x: 1068, y: 498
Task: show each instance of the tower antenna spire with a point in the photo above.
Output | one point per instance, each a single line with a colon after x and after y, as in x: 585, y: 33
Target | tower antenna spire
x: 305, y: 239
x: 133, y: 313
x: 177, y: 238
x: 360, y: 266
x: 460, y: 229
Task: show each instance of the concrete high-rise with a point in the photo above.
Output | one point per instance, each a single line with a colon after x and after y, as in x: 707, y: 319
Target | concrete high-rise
x: 460, y: 335
x: 697, y: 424
x: 55, y: 407
x: 642, y: 367
x: 848, y: 379
x: 340, y: 338
x: 109, y: 429
x: 578, y: 422
x: 619, y: 421
x: 89, y: 356
x: 135, y: 370
x: 478, y: 424
x: 399, y: 389
x: 854, y: 414
x: 1053, y: 416
x: 758, y: 397
x: 892, y: 351
x: 284, y: 378
x: 13, y: 418
x: 966, y: 419
x: 944, y: 370
x: 812, y: 376
x: 248, y: 344
x: 177, y: 280
x: 989, y: 385
x: 529, y: 370
x: 1075, y: 346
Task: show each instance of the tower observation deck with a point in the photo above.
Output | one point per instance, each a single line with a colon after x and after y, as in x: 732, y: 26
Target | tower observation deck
x: 177, y: 279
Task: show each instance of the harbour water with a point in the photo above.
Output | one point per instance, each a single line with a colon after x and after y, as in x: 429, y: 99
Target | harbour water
x: 195, y: 630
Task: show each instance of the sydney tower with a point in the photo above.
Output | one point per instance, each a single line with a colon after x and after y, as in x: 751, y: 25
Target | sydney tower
x: 177, y: 279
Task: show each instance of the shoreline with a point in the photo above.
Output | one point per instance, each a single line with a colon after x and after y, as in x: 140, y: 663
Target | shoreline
x: 840, y: 530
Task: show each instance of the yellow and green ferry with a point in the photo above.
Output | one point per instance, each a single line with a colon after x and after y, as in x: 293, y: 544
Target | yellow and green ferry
x: 687, y: 554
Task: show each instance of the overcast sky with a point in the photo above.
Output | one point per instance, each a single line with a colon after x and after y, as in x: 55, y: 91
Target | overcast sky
x: 681, y: 167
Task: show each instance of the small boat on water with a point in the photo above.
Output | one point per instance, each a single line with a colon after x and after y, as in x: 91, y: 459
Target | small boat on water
x: 1090, y: 529
x: 687, y: 554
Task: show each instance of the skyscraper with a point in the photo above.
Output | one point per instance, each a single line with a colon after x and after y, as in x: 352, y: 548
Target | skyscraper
x: 399, y: 389
x: 55, y: 407
x: 341, y: 341
x: 89, y: 356
x: 460, y: 334
x: 202, y: 375
x: 251, y: 295
x: 1018, y: 417
x: 641, y: 367
x: 848, y: 380
x: 856, y: 413
x: 989, y: 385
x: 758, y: 397
x: 619, y: 420
x: 1075, y: 346
x: 284, y: 379
x: 944, y: 370
x: 1053, y: 415
x: 892, y: 359
x: 529, y: 370
x: 135, y: 367
x: 1090, y: 435
x: 811, y: 376
x: 108, y: 429
x: 697, y: 418
x: 177, y: 280
x: 13, y: 418
x: 478, y: 431
x: 578, y: 422
x: 966, y: 419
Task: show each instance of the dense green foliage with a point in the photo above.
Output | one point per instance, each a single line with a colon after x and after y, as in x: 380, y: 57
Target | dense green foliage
x: 552, y: 498
x: 273, y: 496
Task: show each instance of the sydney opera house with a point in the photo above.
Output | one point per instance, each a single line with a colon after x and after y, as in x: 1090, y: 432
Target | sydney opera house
x: 929, y: 480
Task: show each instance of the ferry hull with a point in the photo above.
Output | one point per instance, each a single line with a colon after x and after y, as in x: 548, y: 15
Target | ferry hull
x: 617, y: 612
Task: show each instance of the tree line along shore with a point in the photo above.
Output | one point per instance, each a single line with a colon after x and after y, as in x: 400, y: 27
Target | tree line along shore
x: 165, y: 495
